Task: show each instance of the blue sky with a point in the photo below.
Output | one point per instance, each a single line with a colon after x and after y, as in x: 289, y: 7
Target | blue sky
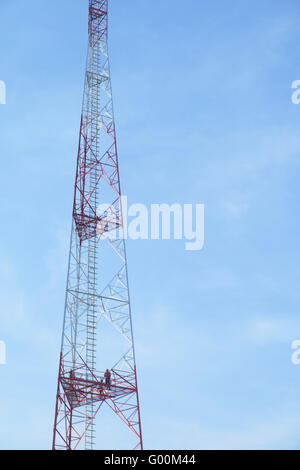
x: 202, y: 94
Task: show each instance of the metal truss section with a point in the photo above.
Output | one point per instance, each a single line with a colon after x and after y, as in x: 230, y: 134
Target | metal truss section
x: 97, y: 214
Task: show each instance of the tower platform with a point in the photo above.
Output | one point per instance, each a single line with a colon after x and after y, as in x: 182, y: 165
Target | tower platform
x: 82, y: 390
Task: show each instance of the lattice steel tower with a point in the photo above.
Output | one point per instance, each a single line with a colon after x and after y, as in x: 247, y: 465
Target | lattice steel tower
x: 97, y: 286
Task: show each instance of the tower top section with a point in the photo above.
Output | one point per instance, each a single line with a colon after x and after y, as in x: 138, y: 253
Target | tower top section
x: 98, y: 11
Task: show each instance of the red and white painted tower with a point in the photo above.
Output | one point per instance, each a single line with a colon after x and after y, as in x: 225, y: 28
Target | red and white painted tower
x: 97, y: 286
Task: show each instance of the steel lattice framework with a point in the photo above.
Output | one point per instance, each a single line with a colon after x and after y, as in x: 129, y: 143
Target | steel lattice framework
x: 81, y: 393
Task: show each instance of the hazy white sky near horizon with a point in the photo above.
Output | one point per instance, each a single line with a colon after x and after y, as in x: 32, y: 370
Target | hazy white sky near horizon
x: 202, y: 94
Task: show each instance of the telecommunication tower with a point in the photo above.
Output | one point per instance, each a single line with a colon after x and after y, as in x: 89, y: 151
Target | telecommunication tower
x: 97, y: 283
